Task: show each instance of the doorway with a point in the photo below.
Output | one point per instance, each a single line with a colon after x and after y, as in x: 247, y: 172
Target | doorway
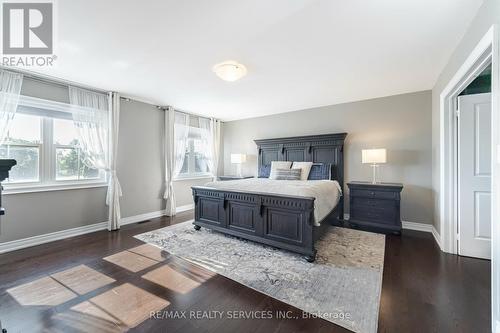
x: 474, y: 167
x: 487, y: 51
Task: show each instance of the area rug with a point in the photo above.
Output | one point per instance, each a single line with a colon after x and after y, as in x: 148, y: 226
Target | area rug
x: 343, y: 285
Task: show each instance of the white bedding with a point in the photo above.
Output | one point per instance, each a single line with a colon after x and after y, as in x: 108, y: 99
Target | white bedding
x: 326, y: 192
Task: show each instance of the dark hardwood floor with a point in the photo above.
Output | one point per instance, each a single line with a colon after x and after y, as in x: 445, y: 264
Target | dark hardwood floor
x: 424, y: 290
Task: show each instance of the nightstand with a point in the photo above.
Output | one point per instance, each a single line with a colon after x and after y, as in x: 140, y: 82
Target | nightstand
x: 234, y: 177
x: 375, y: 207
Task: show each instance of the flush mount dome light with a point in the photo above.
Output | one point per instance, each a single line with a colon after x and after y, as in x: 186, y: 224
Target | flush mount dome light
x: 230, y: 70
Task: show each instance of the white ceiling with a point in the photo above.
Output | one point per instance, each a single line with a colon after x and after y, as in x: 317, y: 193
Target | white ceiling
x: 299, y: 53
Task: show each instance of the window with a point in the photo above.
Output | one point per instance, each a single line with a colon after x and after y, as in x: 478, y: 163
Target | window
x: 70, y: 164
x: 23, y: 143
x: 44, y: 142
x: 195, y: 160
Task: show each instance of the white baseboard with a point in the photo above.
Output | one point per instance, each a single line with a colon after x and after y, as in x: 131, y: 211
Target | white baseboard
x: 184, y: 208
x: 437, y: 238
x: 424, y: 227
x: 50, y: 237
x: 58, y: 235
x: 141, y: 217
x: 417, y: 226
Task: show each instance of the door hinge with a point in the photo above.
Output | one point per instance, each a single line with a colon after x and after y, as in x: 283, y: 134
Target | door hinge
x: 457, y: 113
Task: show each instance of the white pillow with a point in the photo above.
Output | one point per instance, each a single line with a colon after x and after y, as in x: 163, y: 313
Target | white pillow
x: 306, y: 168
x: 278, y: 165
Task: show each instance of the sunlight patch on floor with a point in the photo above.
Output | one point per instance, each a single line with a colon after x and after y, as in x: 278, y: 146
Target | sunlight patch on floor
x: 169, y: 278
x: 44, y: 291
x: 131, y: 261
x: 150, y: 251
x: 82, y: 279
x: 129, y: 304
x: 87, y: 317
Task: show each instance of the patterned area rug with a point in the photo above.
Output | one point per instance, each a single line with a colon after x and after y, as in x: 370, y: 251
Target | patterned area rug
x: 343, y: 285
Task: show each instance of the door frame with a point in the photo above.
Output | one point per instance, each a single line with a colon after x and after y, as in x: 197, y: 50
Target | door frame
x: 486, y: 51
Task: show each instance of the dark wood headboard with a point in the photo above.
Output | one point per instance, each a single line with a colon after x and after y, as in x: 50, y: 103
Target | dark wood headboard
x: 326, y: 148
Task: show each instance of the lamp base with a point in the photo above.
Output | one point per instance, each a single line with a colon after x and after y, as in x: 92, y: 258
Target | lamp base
x: 238, y: 170
x: 374, y: 174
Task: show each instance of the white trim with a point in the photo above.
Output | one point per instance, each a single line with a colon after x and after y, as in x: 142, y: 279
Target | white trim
x: 417, y: 226
x: 17, y: 189
x: 152, y: 215
x: 437, y: 238
x: 480, y: 56
x: 495, y: 180
x: 141, y: 217
x: 184, y: 208
x: 424, y: 227
x: 489, y: 46
x: 58, y: 235
x: 50, y: 237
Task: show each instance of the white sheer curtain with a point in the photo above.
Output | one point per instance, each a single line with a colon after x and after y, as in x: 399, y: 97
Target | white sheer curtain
x: 10, y: 88
x: 96, y: 119
x: 176, y: 140
x: 212, y: 133
x: 114, y: 188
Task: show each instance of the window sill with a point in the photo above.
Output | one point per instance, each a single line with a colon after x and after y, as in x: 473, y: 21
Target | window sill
x: 18, y: 189
x: 198, y: 177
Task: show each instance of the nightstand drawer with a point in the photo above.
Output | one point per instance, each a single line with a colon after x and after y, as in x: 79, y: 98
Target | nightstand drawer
x: 374, y: 214
x: 373, y: 194
x: 375, y: 202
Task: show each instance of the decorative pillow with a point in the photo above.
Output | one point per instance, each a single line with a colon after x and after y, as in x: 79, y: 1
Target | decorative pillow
x: 265, y: 171
x: 288, y: 174
x: 278, y: 165
x: 320, y: 171
x: 306, y: 168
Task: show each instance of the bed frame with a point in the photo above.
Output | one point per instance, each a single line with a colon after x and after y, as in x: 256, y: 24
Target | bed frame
x: 282, y: 221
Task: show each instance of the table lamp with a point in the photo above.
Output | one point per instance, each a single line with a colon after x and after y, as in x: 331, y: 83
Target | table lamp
x: 374, y: 157
x: 238, y: 159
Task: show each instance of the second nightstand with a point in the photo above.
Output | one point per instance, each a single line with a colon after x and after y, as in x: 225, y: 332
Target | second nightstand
x: 375, y: 206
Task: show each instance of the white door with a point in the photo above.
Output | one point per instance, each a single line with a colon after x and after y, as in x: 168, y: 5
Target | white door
x: 474, y: 183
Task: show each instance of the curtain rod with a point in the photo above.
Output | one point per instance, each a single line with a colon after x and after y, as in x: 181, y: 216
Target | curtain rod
x: 52, y: 80
x: 65, y: 83
x: 164, y: 108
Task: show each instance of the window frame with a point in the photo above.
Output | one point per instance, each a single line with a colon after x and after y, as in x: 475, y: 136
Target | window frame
x: 47, y: 156
x: 191, y: 174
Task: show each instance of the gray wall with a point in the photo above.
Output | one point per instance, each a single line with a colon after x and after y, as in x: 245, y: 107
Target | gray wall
x: 140, y: 170
x: 488, y: 14
x: 401, y: 123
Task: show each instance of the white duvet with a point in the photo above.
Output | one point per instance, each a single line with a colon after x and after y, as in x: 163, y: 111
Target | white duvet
x: 326, y: 192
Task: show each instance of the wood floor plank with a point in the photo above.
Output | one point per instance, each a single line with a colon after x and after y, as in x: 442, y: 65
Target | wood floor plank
x: 424, y: 290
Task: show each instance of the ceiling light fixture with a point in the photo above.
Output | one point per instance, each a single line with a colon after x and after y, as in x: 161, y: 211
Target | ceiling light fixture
x: 230, y: 70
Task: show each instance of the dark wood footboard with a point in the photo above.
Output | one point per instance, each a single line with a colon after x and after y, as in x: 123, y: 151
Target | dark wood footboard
x: 285, y: 222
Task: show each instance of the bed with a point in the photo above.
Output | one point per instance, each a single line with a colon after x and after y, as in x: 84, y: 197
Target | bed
x: 289, y: 215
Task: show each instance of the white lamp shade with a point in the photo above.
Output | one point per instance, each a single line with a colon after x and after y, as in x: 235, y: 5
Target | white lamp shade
x: 373, y: 156
x: 238, y: 158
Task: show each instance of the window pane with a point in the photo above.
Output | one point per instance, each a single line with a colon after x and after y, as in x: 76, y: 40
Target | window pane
x: 65, y: 132
x: 67, y: 163
x: 200, y: 163
x: 25, y: 129
x: 185, y: 164
x: 27, y: 158
x: 88, y: 173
